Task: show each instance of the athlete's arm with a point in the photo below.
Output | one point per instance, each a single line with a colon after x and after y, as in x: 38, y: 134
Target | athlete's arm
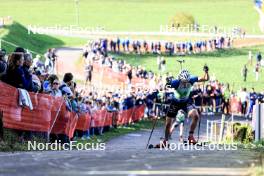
x: 174, y: 84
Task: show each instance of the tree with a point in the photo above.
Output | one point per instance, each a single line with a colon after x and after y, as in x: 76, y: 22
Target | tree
x: 182, y: 19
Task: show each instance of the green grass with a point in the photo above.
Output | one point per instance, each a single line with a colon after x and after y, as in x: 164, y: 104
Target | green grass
x: 135, y: 15
x: 257, y: 171
x: 132, y: 15
x: 226, y: 65
x: 18, y: 35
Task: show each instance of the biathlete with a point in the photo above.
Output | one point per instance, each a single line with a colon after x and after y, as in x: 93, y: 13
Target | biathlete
x: 182, y: 101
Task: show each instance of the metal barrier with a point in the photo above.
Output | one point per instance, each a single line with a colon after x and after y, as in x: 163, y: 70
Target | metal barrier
x: 258, y: 121
x: 216, y: 130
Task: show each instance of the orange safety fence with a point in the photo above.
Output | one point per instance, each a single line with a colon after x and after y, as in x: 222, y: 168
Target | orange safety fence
x: 99, y: 118
x: 103, y: 118
x: 108, y: 76
x: 130, y: 115
x: 108, y: 119
x: 123, y: 116
x: 105, y: 75
x: 84, y: 122
x: 20, y: 118
x: 65, y: 123
x: 50, y: 115
x: 138, y: 113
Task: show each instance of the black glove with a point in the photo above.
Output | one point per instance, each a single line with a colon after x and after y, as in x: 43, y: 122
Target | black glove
x: 205, y: 68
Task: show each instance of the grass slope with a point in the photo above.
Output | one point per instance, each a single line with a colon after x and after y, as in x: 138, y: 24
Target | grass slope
x: 18, y: 35
x: 226, y: 65
x: 132, y: 15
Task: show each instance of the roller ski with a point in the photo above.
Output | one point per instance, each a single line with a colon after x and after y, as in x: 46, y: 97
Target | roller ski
x: 162, y: 144
x: 192, y: 141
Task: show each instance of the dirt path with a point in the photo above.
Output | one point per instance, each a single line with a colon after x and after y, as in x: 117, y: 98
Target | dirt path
x: 67, y: 59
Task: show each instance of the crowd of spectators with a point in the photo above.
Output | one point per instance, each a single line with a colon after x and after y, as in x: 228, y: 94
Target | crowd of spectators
x: 214, y: 97
x: 96, y: 52
x: 210, y: 98
x: 157, y: 47
x: 20, y: 70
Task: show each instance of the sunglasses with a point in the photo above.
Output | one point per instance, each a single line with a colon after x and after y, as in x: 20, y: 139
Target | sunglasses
x: 55, y: 83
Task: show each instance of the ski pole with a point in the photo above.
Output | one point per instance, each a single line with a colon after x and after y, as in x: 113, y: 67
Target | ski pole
x: 152, y: 131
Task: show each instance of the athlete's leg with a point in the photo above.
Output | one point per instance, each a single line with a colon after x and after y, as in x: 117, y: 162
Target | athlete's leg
x: 164, y: 143
x: 171, y: 114
x: 168, y: 128
x: 194, y: 115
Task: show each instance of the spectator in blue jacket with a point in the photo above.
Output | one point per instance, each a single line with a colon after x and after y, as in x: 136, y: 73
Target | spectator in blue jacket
x: 253, y: 97
x: 15, y: 75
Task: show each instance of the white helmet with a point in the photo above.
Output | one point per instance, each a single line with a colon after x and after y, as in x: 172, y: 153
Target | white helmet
x: 184, y: 75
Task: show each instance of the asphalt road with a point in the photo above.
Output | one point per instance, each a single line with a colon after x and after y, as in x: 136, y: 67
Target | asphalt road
x: 126, y: 155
